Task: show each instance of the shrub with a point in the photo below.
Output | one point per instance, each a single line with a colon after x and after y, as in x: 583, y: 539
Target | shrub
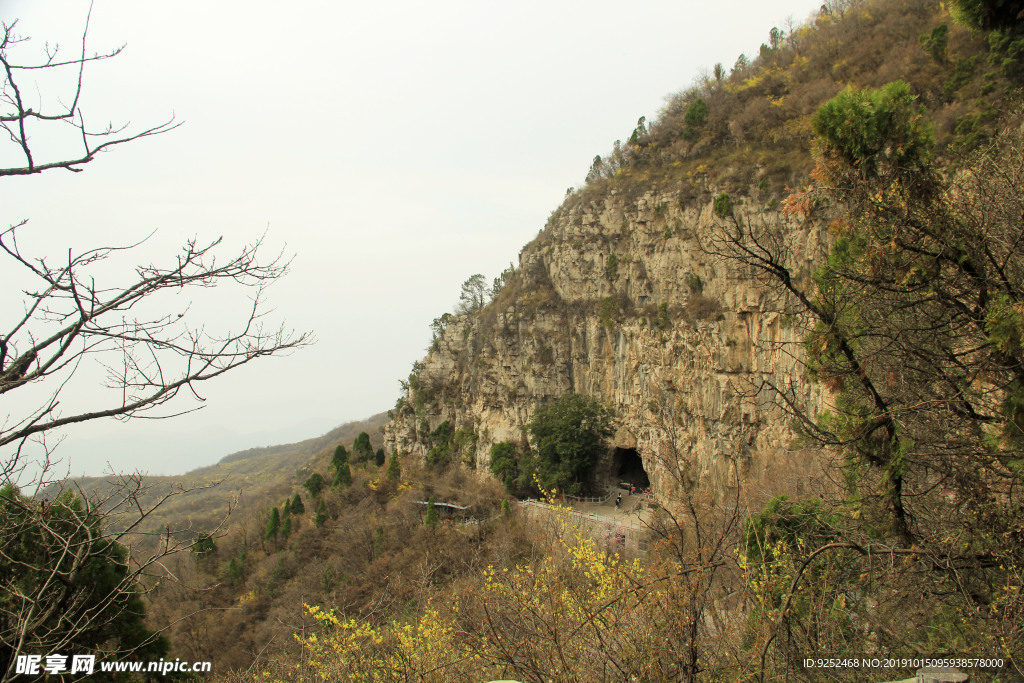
x: 874, y: 131
x: 935, y: 43
x: 696, y: 117
x: 611, y: 267
x: 203, y: 545
x: 700, y: 307
x: 315, y: 484
x: 723, y: 205
x: 504, y: 460
x: 440, y: 444
x: 568, y: 436
x: 609, y: 312
x: 790, y: 522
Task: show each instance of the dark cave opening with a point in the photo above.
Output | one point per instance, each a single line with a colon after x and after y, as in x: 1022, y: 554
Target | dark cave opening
x: 628, y: 467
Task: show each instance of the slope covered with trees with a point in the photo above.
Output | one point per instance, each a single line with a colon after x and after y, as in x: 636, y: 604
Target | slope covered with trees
x: 880, y: 127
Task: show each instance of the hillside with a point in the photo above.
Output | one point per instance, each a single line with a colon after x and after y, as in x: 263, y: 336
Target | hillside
x: 622, y: 296
x: 243, y: 483
x: 803, y: 278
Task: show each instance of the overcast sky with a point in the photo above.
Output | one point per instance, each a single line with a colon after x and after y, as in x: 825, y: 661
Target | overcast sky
x: 394, y: 147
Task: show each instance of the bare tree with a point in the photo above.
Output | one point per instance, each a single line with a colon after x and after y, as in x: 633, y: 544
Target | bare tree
x: 140, y: 327
x: 70, y: 316
x: 69, y: 581
x: 22, y: 122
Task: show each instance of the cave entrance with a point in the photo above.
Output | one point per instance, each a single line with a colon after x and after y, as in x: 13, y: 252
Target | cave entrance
x: 628, y: 468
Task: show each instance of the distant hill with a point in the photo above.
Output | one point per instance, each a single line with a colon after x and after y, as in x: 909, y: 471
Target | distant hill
x: 248, y: 479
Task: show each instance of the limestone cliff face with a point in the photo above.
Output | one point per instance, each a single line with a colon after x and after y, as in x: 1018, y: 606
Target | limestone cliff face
x: 616, y: 299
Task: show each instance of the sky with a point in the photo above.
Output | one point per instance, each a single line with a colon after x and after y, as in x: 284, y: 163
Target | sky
x: 392, y: 149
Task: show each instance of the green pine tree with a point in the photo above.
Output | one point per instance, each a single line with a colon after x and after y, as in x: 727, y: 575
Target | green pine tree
x: 430, y: 521
x: 297, y: 506
x: 273, y: 525
x: 236, y: 569
x: 340, y: 457
x: 315, y: 484
x: 203, y: 545
x: 394, y: 472
x: 321, y: 514
x: 286, y: 527
x: 361, y: 448
x: 343, y: 477
x: 64, y: 583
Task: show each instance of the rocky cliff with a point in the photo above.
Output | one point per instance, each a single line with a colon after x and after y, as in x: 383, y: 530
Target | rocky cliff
x: 620, y: 298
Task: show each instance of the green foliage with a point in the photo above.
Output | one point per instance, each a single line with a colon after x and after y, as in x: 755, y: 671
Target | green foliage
x: 342, y: 476
x: 321, y: 514
x: 935, y: 42
x: 394, y: 472
x: 596, y: 171
x: 989, y: 15
x: 437, y: 329
x: 298, y: 507
x: 340, y: 456
x: 286, y: 527
x: 502, y: 281
x: 1007, y: 52
x: 380, y: 457
x: 441, y: 445
x: 504, y: 460
x: 273, y: 525
x: 611, y: 267
x: 663, y: 320
x: 609, y: 312
x: 65, y: 586
x: 236, y: 569
x: 723, y: 205
x: 315, y: 484
x: 430, y: 520
x: 513, y: 468
x: 694, y: 283
x: 203, y: 545
x: 362, y: 451
x: 568, y: 436
x: 286, y: 509
x: 464, y: 445
x: 963, y: 69
x: 696, y: 118
x: 797, y: 524
x: 474, y: 294
x: 874, y: 131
